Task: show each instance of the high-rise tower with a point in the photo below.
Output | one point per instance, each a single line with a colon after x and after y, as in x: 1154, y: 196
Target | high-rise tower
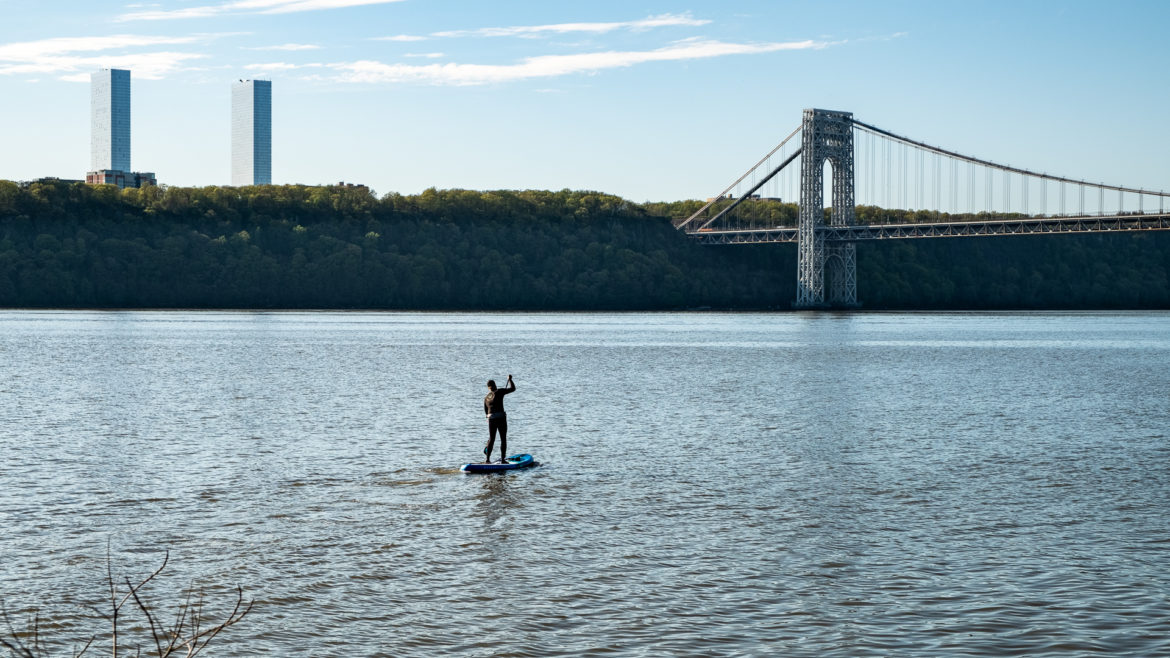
x: 109, y: 152
x: 252, y: 132
x: 110, y: 120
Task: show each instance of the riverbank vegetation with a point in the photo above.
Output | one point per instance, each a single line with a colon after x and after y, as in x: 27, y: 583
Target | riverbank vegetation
x: 186, y: 634
x: 292, y: 246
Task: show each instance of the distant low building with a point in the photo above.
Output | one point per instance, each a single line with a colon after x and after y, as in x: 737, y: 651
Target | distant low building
x: 122, y: 179
x: 50, y: 180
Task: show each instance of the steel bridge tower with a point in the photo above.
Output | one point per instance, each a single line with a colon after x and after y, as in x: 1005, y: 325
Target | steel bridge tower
x: 826, y: 135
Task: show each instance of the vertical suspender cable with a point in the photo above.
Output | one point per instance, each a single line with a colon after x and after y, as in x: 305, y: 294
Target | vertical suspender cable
x: 905, y: 202
x: 1007, y: 192
x: 954, y: 186
x: 970, y: 188
x: 987, y: 189
x: 889, y: 176
x: 875, y: 196
x: 951, y: 186
x: 936, y: 188
x: 922, y: 184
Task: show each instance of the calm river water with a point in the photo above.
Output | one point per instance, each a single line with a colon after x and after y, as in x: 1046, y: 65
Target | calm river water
x: 710, y: 484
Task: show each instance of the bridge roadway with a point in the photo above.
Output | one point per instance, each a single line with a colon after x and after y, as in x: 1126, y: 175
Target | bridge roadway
x: 1025, y: 226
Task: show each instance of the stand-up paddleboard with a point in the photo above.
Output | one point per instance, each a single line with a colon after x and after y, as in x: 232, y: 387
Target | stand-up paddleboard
x: 512, y: 463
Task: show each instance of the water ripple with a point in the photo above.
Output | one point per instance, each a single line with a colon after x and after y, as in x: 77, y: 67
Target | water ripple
x: 870, y: 485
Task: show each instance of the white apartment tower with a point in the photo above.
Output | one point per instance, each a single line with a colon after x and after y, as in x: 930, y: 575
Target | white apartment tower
x: 109, y: 132
x: 110, y: 120
x: 252, y: 132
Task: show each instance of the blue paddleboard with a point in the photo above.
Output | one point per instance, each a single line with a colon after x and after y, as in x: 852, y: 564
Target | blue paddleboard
x: 512, y: 463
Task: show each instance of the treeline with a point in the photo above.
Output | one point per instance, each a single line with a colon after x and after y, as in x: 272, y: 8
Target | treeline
x: 292, y: 246
x: 765, y: 213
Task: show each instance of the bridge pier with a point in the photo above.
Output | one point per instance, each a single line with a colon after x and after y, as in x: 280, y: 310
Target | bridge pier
x: 826, y: 135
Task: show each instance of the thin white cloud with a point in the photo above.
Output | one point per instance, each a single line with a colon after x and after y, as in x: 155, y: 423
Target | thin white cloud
x: 288, y: 47
x: 285, y: 7
x: 27, y: 50
x: 663, y: 20
x: 247, y: 7
x: 400, y: 37
x: 280, y: 66
x: 886, y: 37
x: 424, y: 55
x: 650, y: 22
x: 147, y: 66
x: 72, y: 58
x: 550, y: 66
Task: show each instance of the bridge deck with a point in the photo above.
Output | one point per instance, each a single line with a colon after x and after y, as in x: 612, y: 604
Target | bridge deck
x: 1028, y: 226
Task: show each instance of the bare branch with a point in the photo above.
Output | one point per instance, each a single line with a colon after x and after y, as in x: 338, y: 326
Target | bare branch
x: 133, y: 589
x: 181, y: 616
x: 17, y: 648
x: 15, y: 645
x: 149, y: 617
x: 187, y: 634
x: 113, y: 600
x: 86, y: 647
x: 233, y: 617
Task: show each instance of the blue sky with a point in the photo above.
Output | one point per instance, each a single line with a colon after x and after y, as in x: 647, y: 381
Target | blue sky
x: 650, y: 99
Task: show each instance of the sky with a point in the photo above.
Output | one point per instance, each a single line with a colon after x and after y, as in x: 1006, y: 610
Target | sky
x: 651, y: 100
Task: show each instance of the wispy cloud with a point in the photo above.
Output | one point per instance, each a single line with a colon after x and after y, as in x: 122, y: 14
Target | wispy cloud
x: 663, y: 20
x: 550, y: 66
x: 67, y: 57
x: 281, y: 66
x: 424, y: 55
x: 885, y: 37
x: 400, y: 37
x: 48, y: 47
x: 532, y: 31
x: 247, y: 7
x: 288, y: 46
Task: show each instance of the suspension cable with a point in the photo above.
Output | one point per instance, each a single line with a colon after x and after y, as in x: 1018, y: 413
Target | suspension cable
x: 739, y: 180
x: 986, y: 163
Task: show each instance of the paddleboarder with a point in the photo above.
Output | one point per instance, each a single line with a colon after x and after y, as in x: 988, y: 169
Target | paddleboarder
x: 493, y: 408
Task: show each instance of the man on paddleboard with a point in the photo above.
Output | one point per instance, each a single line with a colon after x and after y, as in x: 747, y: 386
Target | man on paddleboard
x: 493, y: 407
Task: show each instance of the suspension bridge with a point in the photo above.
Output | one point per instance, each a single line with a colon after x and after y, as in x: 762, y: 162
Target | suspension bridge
x: 909, y: 189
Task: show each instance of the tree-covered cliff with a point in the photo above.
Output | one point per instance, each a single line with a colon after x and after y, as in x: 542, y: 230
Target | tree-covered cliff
x: 73, y: 245
x: 341, y: 247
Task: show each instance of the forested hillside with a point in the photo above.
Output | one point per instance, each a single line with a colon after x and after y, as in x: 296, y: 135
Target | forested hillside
x: 292, y: 246
x: 341, y: 247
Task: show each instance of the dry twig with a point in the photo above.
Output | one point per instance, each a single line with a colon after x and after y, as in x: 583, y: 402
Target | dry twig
x: 186, y: 637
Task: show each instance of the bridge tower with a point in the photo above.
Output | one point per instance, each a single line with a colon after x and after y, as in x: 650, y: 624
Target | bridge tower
x: 826, y: 135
